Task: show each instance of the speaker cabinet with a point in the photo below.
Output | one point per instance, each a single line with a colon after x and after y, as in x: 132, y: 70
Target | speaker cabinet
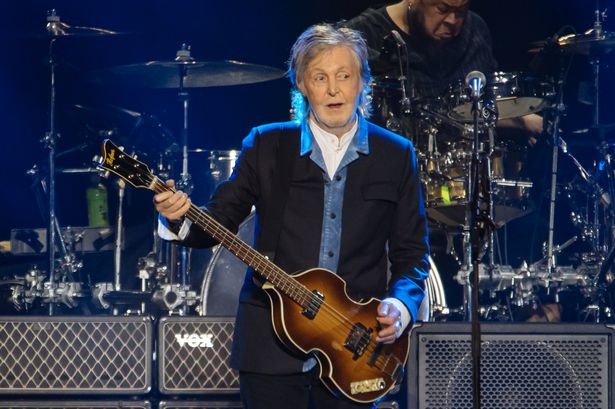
x: 523, y: 366
x: 75, y: 355
x: 194, y: 355
x: 31, y: 404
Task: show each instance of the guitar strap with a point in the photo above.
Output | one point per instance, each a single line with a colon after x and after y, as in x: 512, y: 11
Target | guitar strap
x: 286, y: 155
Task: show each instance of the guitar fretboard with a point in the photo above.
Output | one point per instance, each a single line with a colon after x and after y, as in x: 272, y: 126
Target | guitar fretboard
x: 261, y: 264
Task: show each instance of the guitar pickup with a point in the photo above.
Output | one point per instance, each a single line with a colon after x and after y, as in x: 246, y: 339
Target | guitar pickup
x: 313, y: 305
x: 358, y: 339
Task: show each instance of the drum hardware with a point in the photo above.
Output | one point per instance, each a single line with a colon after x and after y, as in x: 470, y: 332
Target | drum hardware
x: 515, y: 94
x: 557, y: 110
x: 99, y: 291
x: 594, y: 42
x: 105, y: 296
x: 150, y: 269
x: 445, y: 164
x: 55, y: 28
x: 174, y: 297
x: 504, y: 290
x: 26, y: 290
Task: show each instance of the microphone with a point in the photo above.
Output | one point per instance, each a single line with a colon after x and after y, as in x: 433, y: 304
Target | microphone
x: 476, y: 81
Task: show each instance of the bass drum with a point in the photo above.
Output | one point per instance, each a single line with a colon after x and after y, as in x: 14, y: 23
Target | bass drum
x: 225, y: 273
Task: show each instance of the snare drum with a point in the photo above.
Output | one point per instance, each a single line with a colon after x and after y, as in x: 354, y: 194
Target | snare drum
x: 516, y: 94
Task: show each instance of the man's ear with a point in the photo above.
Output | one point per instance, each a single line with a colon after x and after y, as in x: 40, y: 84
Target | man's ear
x: 301, y: 87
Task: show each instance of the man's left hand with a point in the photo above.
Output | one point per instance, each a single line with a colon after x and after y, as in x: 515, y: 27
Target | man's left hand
x: 389, y: 318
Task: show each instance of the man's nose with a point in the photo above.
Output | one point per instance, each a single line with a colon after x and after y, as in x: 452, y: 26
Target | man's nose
x: 452, y: 18
x: 332, y: 87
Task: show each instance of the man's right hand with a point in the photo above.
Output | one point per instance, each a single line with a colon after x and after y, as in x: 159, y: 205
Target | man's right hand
x: 172, y: 205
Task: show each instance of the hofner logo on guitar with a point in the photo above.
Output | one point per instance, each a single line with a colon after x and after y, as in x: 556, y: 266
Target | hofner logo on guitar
x: 195, y: 340
x: 367, y: 385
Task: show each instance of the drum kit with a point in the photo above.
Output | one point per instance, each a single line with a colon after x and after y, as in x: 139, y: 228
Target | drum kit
x: 442, y: 131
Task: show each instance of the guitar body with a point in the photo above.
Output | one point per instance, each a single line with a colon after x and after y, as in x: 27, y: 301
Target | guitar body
x: 362, y: 377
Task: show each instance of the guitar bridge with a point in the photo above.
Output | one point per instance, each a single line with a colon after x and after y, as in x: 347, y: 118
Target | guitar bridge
x: 358, y: 339
x: 313, y: 305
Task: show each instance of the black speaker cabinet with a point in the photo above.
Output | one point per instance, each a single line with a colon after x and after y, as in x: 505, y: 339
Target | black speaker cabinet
x: 75, y: 355
x: 523, y: 366
x: 199, y: 404
x: 194, y: 355
x: 98, y: 404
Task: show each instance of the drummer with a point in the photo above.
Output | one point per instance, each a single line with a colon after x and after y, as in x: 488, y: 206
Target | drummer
x: 444, y: 42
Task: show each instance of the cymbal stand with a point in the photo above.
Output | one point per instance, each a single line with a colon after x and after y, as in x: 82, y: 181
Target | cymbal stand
x: 53, y: 27
x: 595, y: 62
x: 558, y: 110
x: 185, y: 183
x: 119, y: 235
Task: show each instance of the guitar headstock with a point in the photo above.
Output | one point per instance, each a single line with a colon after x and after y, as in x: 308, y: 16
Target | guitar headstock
x: 137, y: 173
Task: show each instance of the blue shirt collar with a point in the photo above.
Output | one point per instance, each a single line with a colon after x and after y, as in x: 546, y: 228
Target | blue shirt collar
x: 359, y: 142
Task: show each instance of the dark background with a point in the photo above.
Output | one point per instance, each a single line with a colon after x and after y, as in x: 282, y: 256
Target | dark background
x: 259, y: 32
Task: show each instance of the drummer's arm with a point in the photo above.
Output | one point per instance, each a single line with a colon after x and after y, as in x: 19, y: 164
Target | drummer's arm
x: 532, y: 124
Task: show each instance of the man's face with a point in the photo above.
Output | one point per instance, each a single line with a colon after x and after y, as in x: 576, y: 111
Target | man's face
x: 332, y: 84
x: 441, y: 19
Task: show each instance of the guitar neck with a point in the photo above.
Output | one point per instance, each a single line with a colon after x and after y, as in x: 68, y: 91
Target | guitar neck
x: 261, y: 264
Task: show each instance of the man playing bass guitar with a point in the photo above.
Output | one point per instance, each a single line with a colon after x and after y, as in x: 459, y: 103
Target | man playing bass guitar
x: 332, y: 191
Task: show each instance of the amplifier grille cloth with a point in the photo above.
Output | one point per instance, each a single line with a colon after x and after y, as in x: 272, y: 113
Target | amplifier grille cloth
x: 197, y: 368
x: 89, y: 355
x: 517, y: 371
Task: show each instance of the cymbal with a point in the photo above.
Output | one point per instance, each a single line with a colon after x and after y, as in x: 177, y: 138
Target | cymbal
x: 587, y: 43
x: 166, y: 74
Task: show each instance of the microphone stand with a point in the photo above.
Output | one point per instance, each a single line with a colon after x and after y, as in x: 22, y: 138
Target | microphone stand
x: 479, y: 222
x: 473, y: 221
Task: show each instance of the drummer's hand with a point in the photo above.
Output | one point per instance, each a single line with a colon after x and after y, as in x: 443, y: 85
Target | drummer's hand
x: 531, y: 124
x: 172, y: 205
x: 534, y: 126
x: 389, y: 318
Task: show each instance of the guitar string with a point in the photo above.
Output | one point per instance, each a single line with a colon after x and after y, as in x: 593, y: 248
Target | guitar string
x: 306, y: 296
